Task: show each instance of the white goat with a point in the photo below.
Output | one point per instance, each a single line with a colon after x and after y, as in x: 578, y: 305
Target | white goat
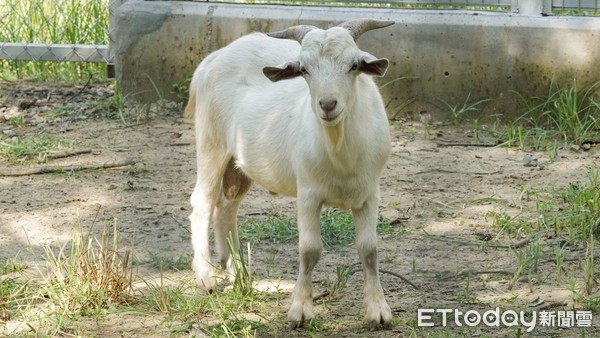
x: 321, y: 135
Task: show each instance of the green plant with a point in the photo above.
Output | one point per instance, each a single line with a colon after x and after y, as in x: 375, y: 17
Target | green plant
x: 459, y: 113
x: 34, y: 147
x: 182, y: 89
x: 589, y: 269
x: 11, y: 265
x: 242, y: 277
x: 342, y: 273
x: 528, y: 262
x: 569, y: 113
x: 17, y: 121
x: 12, y: 294
x: 90, y: 274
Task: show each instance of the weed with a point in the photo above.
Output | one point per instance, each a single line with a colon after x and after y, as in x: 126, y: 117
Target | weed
x: 35, y: 147
x: 460, y: 113
x: 17, y: 122
x: 528, y: 262
x: 342, y: 273
x: 11, y: 265
x: 466, y: 296
x: 90, y: 274
x: 182, y: 89
x: 568, y: 114
x: 589, y: 270
x: 242, y: 277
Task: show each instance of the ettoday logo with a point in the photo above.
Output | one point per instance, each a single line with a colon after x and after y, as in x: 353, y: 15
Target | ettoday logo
x: 506, y: 318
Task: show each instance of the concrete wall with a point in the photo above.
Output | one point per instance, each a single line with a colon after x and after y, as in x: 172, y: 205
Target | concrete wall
x: 444, y: 56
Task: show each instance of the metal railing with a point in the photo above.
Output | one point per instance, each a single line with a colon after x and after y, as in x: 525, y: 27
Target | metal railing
x: 527, y: 7
x: 22, y: 40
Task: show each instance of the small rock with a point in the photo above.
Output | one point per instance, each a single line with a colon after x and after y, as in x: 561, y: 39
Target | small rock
x: 529, y: 161
x: 541, y: 165
x: 9, y: 132
x: 586, y: 146
x: 574, y: 147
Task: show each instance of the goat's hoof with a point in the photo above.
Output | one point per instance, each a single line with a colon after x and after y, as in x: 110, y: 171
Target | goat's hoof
x: 208, y: 282
x: 296, y: 324
x: 299, y: 315
x: 382, y: 318
x: 374, y: 325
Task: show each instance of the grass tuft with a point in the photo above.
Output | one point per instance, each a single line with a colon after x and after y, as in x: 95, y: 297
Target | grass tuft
x: 570, y: 115
x: 90, y: 274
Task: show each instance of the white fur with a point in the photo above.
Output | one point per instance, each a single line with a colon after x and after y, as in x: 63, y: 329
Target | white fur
x: 276, y: 133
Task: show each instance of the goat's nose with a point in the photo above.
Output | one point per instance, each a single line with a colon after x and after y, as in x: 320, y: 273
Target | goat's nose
x: 328, y: 105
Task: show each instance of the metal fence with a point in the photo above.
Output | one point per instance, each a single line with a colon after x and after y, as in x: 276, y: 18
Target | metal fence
x: 56, y: 30
x: 71, y: 30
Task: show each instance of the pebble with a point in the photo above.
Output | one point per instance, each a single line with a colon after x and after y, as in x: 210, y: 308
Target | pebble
x: 586, y: 146
x: 529, y: 161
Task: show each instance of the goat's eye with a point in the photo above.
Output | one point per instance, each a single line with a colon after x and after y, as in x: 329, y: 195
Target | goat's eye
x: 303, y: 71
x: 354, y: 67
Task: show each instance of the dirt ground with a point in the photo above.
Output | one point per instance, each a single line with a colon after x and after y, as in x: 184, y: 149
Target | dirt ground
x: 437, y: 194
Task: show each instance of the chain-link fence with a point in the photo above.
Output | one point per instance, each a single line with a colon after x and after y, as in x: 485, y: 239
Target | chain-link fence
x: 55, y: 30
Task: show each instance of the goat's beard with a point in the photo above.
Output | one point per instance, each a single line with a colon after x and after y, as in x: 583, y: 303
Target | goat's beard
x: 335, y: 134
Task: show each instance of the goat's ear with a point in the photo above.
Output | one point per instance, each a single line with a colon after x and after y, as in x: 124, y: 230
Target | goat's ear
x: 286, y: 71
x: 371, y: 65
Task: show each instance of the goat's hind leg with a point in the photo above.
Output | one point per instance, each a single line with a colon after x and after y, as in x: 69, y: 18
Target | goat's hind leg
x: 204, y: 200
x: 235, y: 185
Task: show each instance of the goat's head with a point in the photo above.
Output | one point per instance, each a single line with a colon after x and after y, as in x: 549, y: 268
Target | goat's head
x: 330, y: 61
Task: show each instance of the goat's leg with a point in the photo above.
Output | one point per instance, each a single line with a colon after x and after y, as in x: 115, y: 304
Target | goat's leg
x: 234, y: 186
x: 225, y: 224
x: 310, y: 246
x: 365, y: 219
x: 211, y: 165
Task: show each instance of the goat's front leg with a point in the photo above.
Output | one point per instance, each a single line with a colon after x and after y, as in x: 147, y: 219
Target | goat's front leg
x: 365, y: 219
x: 310, y: 245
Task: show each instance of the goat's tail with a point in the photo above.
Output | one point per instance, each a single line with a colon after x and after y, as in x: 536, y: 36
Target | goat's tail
x: 190, y: 109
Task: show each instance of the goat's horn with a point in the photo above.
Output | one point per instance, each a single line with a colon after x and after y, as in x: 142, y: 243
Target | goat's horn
x: 295, y: 33
x: 359, y: 26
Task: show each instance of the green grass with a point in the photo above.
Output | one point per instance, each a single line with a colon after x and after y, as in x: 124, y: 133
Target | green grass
x: 192, y: 309
x: 53, y: 21
x: 90, y: 274
x: 11, y: 265
x: 32, y: 147
x: 568, y: 115
x: 337, y: 229
x: 460, y: 112
x: 84, y: 278
x: 571, y: 212
x: 561, y: 223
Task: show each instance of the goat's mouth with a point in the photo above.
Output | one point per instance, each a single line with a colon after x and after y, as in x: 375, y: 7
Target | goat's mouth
x: 330, y: 120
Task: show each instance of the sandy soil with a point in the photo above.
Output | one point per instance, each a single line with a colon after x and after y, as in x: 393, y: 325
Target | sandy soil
x: 436, y: 194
